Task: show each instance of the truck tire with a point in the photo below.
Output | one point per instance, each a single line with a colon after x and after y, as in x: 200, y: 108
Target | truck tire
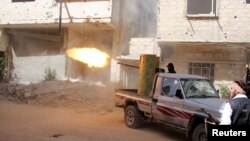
x: 199, y: 133
x: 132, y: 117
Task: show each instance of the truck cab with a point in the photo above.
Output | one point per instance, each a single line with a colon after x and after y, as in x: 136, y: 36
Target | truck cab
x: 177, y: 96
x: 176, y: 100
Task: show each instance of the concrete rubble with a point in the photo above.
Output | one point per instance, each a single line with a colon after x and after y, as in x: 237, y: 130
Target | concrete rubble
x: 77, y: 95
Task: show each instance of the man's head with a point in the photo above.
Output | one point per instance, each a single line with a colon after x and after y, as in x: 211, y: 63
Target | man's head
x: 170, y: 65
x: 237, y: 88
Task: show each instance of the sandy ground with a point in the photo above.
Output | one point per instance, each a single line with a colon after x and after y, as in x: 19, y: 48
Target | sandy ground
x: 63, y: 111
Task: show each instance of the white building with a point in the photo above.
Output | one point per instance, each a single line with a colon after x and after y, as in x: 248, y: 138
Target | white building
x: 36, y: 33
x: 205, y: 37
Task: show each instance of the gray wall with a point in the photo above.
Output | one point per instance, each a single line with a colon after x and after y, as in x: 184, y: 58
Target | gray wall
x: 229, y: 59
x: 133, y: 19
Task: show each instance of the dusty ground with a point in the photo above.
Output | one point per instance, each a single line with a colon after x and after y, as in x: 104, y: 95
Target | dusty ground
x: 69, y: 111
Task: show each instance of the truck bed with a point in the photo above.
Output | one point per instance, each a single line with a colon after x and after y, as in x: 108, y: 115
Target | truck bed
x: 122, y: 95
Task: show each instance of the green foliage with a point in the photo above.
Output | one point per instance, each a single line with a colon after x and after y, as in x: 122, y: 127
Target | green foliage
x: 224, y: 91
x: 3, y: 69
x: 50, y: 74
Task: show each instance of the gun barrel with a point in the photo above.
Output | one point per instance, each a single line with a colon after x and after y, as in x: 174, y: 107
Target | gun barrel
x: 209, y: 116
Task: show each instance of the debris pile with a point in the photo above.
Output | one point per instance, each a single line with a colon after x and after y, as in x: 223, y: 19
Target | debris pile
x: 83, y: 96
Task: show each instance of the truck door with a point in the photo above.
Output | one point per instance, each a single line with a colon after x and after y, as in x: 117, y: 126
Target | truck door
x: 168, y: 108
x: 156, y: 94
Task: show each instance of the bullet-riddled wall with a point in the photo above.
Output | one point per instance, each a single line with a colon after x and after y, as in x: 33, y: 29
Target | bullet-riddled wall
x: 230, y: 24
x: 43, y: 15
x: 47, y: 11
x: 218, y: 40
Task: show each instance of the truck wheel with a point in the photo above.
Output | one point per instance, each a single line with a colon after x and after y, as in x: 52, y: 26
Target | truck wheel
x: 132, y: 117
x: 199, y: 133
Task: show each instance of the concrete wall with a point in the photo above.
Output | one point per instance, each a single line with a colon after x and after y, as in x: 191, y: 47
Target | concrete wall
x: 47, y: 11
x: 88, y: 22
x: 231, y: 25
x: 223, y: 39
x: 32, y: 56
x: 30, y: 46
x: 229, y: 60
x: 129, y: 75
x: 32, y: 69
x: 132, y: 19
x: 4, y: 40
x: 140, y: 46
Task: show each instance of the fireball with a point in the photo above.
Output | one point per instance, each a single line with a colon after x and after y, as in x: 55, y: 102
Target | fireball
x: 91, y: 56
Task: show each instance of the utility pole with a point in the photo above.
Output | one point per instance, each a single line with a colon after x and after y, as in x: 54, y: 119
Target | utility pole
x: 60, y: 17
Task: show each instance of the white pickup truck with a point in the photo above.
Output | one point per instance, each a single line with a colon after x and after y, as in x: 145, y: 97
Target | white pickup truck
x: 177, y: 100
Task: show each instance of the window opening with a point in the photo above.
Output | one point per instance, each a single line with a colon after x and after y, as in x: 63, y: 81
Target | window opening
x: 203, y: 69
x: 201, y: 8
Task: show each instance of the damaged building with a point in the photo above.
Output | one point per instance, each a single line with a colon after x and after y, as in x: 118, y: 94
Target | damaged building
x: 204, y: 37
x: 35, y: 35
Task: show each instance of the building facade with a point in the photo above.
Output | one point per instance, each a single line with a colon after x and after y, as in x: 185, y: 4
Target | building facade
x: 205, y: 37
x: 36, y: 33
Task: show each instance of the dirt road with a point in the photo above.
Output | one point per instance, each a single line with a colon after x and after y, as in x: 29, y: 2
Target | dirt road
x: 69, y: 111
x: 25, y: 122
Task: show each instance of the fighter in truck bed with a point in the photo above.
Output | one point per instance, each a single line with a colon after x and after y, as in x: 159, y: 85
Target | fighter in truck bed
x: 176, y: 100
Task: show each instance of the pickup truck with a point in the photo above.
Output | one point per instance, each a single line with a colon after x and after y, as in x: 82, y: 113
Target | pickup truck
x: 176, y: 100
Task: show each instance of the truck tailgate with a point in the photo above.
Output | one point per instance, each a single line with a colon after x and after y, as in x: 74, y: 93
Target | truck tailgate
x: 122, y: 95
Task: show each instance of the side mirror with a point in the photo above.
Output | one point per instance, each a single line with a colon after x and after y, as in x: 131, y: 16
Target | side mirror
x: 179, y: 94
x: 218, y: 91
